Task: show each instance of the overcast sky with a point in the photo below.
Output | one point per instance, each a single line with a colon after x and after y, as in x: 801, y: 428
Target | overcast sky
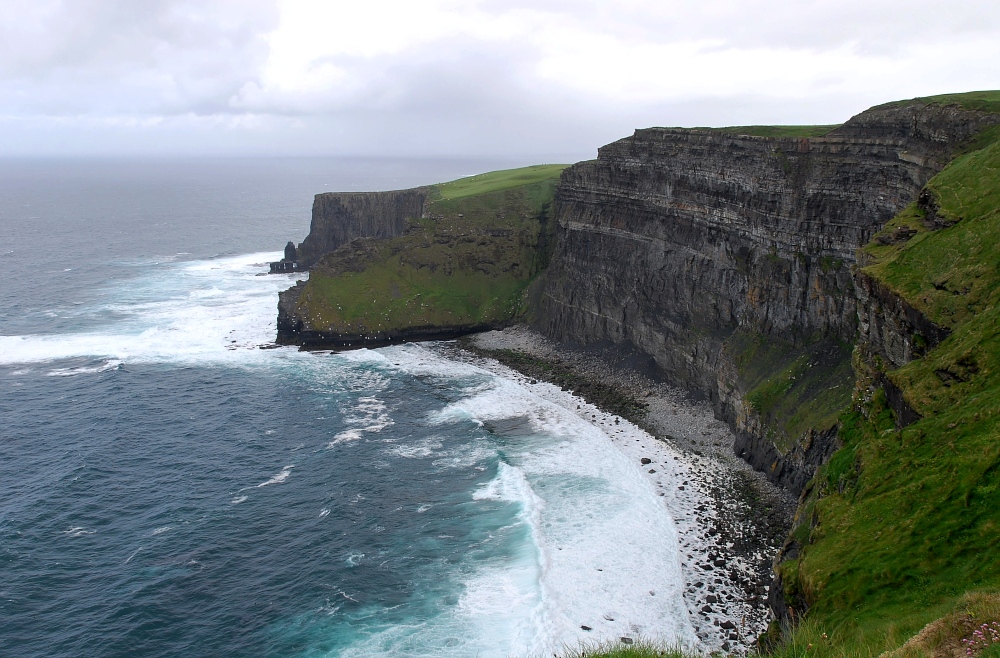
x: 441, y: 78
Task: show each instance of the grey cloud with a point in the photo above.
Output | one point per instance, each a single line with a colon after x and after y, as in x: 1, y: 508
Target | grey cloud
x: 176, y: 76
x: 874, y: 25
x: 82, y: 56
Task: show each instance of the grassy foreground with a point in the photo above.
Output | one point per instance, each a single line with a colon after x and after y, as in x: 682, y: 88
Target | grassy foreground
x: 468, y: 262
x: 639, y: 649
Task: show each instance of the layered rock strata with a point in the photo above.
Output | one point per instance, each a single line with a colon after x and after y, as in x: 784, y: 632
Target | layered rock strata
x: 339, y: 217
x: 674, y: 241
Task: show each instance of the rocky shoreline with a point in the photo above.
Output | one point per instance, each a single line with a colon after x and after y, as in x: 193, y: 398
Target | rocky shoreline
x: 739, y: 519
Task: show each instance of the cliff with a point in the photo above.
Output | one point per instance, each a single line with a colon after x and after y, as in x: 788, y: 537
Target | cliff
x: 339, y: 217
x: 900, y: 526
x: 727, y: 258
x: 835, y: 293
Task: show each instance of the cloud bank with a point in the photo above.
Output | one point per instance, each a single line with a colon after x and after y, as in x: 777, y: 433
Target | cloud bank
x: 440, y: 77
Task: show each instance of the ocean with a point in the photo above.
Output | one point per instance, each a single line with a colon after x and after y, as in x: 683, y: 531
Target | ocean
x: 173, y: 485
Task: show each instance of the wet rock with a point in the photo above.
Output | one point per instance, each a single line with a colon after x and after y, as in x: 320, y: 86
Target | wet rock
x: 645, y: 460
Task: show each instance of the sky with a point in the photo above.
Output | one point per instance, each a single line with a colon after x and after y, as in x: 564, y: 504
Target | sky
x: 442, y: 78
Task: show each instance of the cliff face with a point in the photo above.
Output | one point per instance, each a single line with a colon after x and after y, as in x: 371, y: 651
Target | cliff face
x: 684, y: 242
x: 339, y: 217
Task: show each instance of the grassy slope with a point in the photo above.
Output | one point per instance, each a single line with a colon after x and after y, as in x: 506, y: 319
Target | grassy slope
x: 495, y: 181
x: 468, y: 264
x: 910, y: 520
x: 793, y: 388
x: 985, y: 101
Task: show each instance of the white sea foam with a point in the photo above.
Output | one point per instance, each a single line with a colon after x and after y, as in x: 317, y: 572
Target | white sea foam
x: 344, y: 437
x: 65, y: 372
x: 417, y: 450
x: 78, y: 532
x: 278, y: 478
x: 198, y: 311
x: 369, y: 415
x: 238, y: 499
x: 160, y: 531
x: 602, y: 548
x: 580, y: 496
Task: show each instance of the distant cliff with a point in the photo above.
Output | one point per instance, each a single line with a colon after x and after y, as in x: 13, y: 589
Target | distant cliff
x: 728, y: 258
x: 422, y: 264
x: 339, y: 217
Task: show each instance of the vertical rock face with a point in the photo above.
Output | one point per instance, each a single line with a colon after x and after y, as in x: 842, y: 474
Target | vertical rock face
x: 339, y: 217
x: 673, y: 240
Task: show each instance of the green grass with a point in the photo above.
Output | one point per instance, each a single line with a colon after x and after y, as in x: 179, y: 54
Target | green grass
x: 985, y: 101
x: 950, y: 274
x: 902, y: 523
x: 389, y: 295
x: 640, y: 648
x: 495, y: 181
x: 466, y: 264
x: 776, y: 131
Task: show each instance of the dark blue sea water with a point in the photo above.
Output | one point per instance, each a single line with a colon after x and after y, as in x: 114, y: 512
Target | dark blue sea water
x: 168, y: 488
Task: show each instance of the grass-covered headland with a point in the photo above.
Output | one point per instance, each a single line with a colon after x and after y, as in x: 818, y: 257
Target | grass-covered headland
x: 466, y: 263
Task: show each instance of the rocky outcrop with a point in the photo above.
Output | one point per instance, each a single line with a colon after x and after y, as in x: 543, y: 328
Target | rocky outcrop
x: 791, y: 470
x: 890, y: 328
x: 339, y: 217
x: 673, y: 240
